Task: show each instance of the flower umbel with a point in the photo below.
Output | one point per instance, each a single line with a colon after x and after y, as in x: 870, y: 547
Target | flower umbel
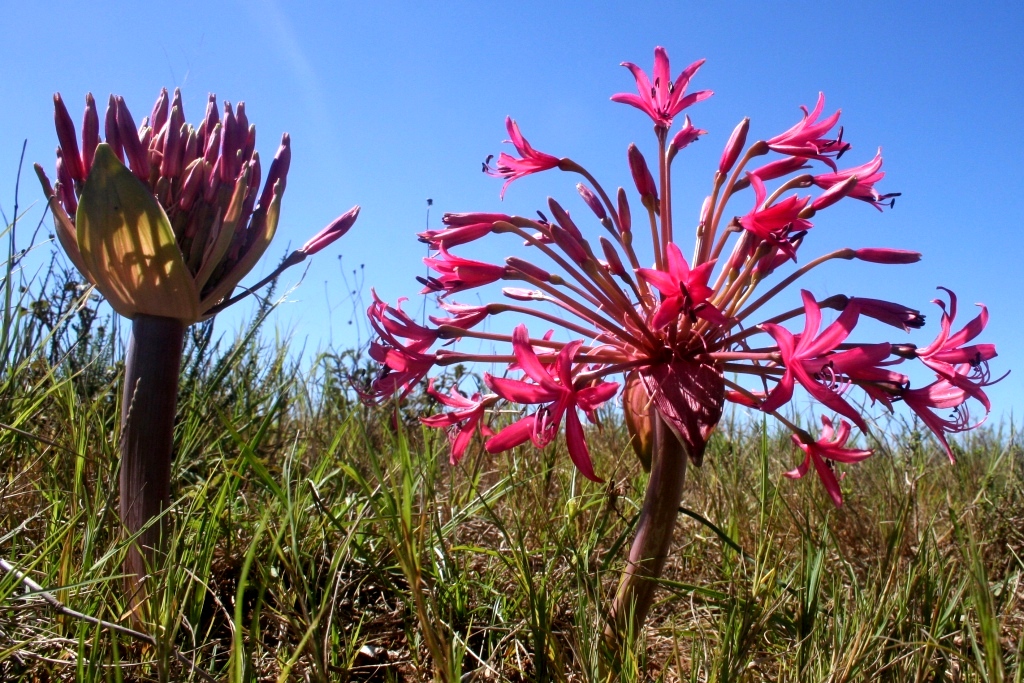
x: 682, y: 331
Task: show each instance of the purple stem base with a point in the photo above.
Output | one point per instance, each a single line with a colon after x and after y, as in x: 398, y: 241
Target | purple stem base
x: 654, y: 531
x: 147, y: 438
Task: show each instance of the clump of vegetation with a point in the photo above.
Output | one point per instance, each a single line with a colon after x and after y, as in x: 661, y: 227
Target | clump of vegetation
x: 314, y: 538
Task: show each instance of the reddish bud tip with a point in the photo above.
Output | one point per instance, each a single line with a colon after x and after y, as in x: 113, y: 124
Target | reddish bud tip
x: 625, y: 220
x: 68, y: 138
x: 641, y: 174
x: 887, y: 256
x: 334, y: 230
x: 732, y: 148
x: 612, y: 257
x: 592, y: 201
x: 528, y: 268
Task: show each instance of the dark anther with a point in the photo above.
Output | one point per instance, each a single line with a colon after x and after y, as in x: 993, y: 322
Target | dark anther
x: 543, y: 218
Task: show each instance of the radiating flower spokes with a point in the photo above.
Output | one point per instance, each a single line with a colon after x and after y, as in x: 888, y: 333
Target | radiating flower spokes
x: 681, y: 331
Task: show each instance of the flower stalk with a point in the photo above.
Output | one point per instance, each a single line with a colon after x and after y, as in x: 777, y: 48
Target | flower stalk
x: 148, y: 404
x: 654, y: 532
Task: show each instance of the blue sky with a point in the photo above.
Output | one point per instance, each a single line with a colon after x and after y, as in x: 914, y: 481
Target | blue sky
x: 391, y: 103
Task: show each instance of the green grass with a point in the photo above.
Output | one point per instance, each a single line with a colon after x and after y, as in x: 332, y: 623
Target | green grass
x: 317, y: 539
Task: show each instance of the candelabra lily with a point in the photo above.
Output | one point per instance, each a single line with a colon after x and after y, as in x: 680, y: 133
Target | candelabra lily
x: 681, y: 335
x: 164, y: 220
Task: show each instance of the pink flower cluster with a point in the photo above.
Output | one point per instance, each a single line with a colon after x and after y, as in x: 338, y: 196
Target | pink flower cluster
x: 675, y: 331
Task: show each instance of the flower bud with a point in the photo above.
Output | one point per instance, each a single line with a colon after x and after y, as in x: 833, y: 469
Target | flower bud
x: 68, y: 139
x: 111, y: 132
x: 278, y: 171
x: 170, y: 163
x: 834, y: 193
x: 569, y: 244
x: 158, y: 117
x: 335, y: 229
x: 592, y: 201
x: 138, y: 158
x: 642, y: 175
x: 210, y: 121
x: 612, y: 257
x: 896, y: 315
x: 684, y: 137
x: 625, y: 220
x: 772, y: 170
x: 454, y: 220
x: 887, y: 256
x: 561, y: 217
x: 528, y: 268
x: 520, y: 294
x: 732, y: 148
x: 90, y: 132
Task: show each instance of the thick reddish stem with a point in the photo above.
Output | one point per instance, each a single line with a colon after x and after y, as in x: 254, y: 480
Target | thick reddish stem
x: 147, y: 436
x: 647, y: 556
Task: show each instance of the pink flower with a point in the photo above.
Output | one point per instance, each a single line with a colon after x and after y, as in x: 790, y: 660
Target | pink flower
x: 686, y: 135
x: 405, y: 363
x: 457, y: 274
x: 391, y: 321
x: 774, y: 224
x: 964, y: 366
x: 530, y: 161
x: 683, y: 290
x: 463, y: 316
x: 941, y: 395
x: 829, y: 447
x: 462, y: 228
x: 807, y: 138
x: 664, y: 99
x: 462, y: 423
x: 805, y: 354
x: 557, y: 390
x: 867, y: 175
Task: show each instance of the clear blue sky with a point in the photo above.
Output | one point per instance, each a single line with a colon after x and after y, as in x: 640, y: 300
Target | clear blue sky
x: 391, y: 103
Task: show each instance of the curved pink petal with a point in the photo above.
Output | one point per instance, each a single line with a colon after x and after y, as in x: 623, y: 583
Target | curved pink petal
x: 515, y: 434
x: 592, y: 398
x: 781, y: 394
x: 828, y: 397
x: 528, y: 360
x: 518, y: 391
x: 577, y: 445
x: 668, y: 312
x: 828, y: 478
